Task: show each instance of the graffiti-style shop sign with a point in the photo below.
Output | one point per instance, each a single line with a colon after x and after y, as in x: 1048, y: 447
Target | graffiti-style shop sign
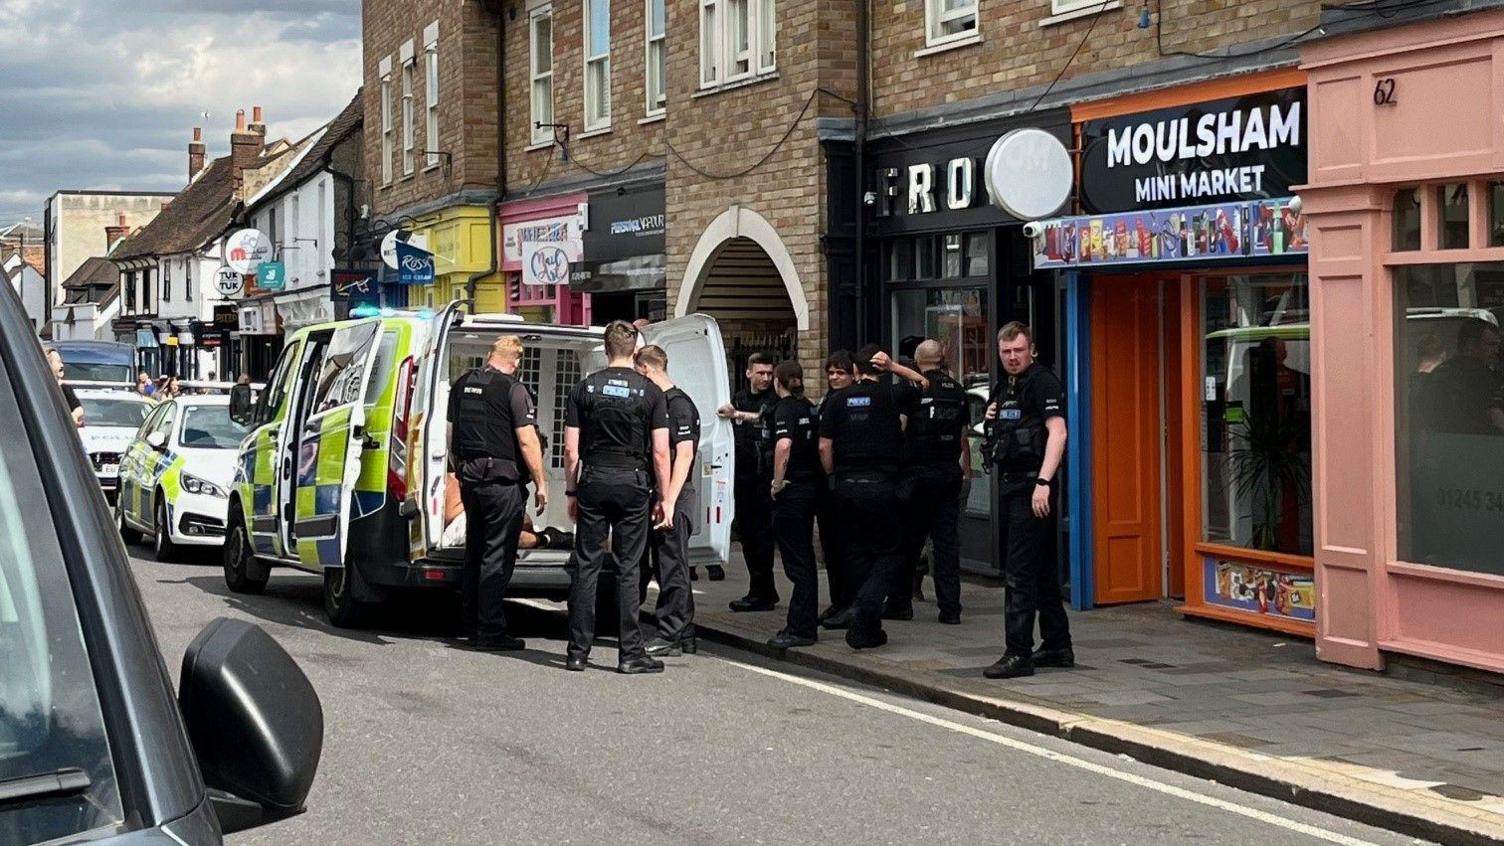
x: 1239, y: 148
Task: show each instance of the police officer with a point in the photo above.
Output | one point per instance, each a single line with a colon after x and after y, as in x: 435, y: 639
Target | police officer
x: 840, y: 372
x: 616, y: 437
x: 938, y: 461
x: 675, y: 611
x: 861, y: 438
x: 797, y: 481
x: 492, y: 429
x: 748, y: 410
x: 1028, y: 420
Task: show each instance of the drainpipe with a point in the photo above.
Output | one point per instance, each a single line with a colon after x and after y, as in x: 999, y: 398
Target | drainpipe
x: 859, y: 143
x: 501, y: 152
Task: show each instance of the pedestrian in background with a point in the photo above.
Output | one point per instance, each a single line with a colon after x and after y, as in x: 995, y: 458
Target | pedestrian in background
x: 861, y: 439
x: 492, y: 435
x: 75, y: 407
x: 797, y: 481
x: 669, y: 547
x: 1028, y: 416
x: 616, y: 434
x: 144, y: 386
x: 240, y: 400
x: 749, y: 412
x: 840, y: 372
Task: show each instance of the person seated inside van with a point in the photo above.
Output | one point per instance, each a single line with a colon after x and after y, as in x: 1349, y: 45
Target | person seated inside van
x: 531, y: 537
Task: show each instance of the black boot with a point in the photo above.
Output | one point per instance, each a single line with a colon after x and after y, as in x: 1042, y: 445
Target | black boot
x: 716, y: 572
x: 1010, y: 667
x: 1054, y: 657
x: 865, y: 635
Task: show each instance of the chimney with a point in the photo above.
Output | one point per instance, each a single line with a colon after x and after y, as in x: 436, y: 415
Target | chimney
x: 257, y: 125
x: 245, y: 144
x: 196, y: 153
x: 112, y: 234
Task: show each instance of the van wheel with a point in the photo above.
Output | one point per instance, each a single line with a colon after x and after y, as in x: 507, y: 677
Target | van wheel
x: 340, y: 604
x: 127, y: 534
x: 239, y: 557
x: 162, y: 546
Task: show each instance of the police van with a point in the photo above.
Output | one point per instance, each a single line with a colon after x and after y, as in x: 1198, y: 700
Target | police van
x: 344, y: 469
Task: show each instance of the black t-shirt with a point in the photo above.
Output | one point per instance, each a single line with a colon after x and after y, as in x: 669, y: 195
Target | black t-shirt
x: 487, y: 428
x: 616, y: 411
x: 754, y: 441
x: 937, y: 419
x: 683, y: 425
x: 862, y: 422
x: 794, y: 418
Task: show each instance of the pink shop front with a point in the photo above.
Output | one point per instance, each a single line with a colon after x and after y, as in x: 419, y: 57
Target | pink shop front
x: 1405, y: 204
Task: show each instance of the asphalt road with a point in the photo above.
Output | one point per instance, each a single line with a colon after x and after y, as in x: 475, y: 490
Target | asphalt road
x: 425, y: 743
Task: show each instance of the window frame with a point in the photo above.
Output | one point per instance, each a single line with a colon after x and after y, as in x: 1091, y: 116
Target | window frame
x: 409, y: 160
x: 166, y: 273
x: 431, y: 99
x: 1065, y: 7
x: 654, y: 105
x: 540, y: 135
x: 188, y: 276
x: 388, y: 127
x: 761, y: 54
x: 588, y: 88
x: 935, y: 19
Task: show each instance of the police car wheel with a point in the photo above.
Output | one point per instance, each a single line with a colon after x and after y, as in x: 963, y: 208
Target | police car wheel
x: 340, y: 604
x: 238, y: 557
x: 127, y: 534
x: 162, y: 546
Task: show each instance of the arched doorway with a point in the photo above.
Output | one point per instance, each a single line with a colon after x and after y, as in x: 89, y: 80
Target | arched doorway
x: 741, y: 274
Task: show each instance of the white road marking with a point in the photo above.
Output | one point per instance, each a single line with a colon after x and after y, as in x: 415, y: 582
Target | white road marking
x: 1069, y: 760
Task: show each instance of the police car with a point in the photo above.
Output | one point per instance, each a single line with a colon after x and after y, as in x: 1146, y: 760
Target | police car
x: 175, y: 476
x: 111, y: 418
x: 344, y: 472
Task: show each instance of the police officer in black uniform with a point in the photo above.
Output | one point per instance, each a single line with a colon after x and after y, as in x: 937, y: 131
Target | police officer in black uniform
x: 749, y: 411
x: 840, y: 372
x: 938, y: 461
x: 616, y: 445
x: 492, y: 430
x: 861, y: 438
x: 1027, y: 416
x: 798, y: 479
x: 669, y: 547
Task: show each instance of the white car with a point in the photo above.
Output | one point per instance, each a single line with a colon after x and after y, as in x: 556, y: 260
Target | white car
x: 175, y: 477
x: 111, y: 418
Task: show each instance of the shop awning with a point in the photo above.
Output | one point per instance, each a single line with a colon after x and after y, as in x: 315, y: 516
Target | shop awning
x: 636, y: 273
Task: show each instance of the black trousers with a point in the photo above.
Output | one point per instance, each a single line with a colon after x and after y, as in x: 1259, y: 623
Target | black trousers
x: 871, y: 537
x: 613, y: 505
x: 931, y: 497
x: 493, y: 522
x: 675, y: 611
x: 754, y: 525
x: 828, y: 517
x: 794, y: 529
x: 1030, y: 576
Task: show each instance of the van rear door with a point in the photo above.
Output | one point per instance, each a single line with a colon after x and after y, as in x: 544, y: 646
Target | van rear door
x: 330, y: 445
x: 697, y: 364
x: 427, y: 438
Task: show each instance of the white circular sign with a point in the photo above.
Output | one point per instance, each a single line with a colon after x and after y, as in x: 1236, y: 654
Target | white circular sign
x: 389, y: 249
x: 1029, y: 174
x: 228, y: 282
x: 246, y: 249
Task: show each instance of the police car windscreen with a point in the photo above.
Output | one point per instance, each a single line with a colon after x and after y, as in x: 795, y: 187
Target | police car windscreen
x: 100, y: 411
x: 209, y: 427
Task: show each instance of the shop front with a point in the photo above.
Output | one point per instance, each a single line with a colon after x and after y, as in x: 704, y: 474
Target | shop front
x: 460, y: 239
x: 1406, y: 203
x: 622, y: 269
x: 259, y: 335
x: 952, y: 266
x: 542, y: 243
x: 1189, y: 304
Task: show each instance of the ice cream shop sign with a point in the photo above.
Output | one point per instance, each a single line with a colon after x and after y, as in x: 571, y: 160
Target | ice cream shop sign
x: 1240, y: 148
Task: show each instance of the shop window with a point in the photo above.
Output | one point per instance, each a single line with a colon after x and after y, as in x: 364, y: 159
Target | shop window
x: 1256, y: 412
x: 901, y: 260
x: 1496, y: 214
x: 925, y: 265
x: 1452, y: 201
x: 1406, y: 234
x: 1449, y: 416
x: 976, y: 255
x: 950, y: 256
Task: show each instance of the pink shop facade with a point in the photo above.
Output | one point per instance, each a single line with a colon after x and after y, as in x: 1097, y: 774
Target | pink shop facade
x: 1405, y: 203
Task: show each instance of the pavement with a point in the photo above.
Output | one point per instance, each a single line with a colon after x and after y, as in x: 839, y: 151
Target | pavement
x: 428, y: 743
x: 1238, y: 705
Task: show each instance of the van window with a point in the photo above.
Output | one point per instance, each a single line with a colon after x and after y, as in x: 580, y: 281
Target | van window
x: 271, y: 398
x: 341, y: 376
x: 383, y: 367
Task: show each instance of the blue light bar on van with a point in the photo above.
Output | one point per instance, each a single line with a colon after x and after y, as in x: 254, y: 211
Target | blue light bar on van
x: 366, y: 310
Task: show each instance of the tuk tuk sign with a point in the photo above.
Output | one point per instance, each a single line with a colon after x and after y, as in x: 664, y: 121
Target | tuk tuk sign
x: 228, y: 282
x: 246, y: 249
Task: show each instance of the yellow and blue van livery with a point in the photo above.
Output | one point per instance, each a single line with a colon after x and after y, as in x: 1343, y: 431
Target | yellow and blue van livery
x: 344, y: 467
x: 176, y: 474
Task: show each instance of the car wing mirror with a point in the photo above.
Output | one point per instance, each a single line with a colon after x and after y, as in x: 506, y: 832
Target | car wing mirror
x: 255, y: 723
x: 156, y: 440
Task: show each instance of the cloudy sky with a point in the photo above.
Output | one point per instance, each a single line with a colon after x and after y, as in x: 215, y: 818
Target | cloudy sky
x: 104, y: 94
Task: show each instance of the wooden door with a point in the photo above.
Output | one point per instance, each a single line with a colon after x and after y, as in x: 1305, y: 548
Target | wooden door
x: 1126, y: 438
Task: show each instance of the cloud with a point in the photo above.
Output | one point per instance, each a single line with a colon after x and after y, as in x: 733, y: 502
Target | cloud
x: 103, y: 94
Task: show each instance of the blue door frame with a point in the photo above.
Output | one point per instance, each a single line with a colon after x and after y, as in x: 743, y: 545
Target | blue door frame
x: 1078, y: 445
